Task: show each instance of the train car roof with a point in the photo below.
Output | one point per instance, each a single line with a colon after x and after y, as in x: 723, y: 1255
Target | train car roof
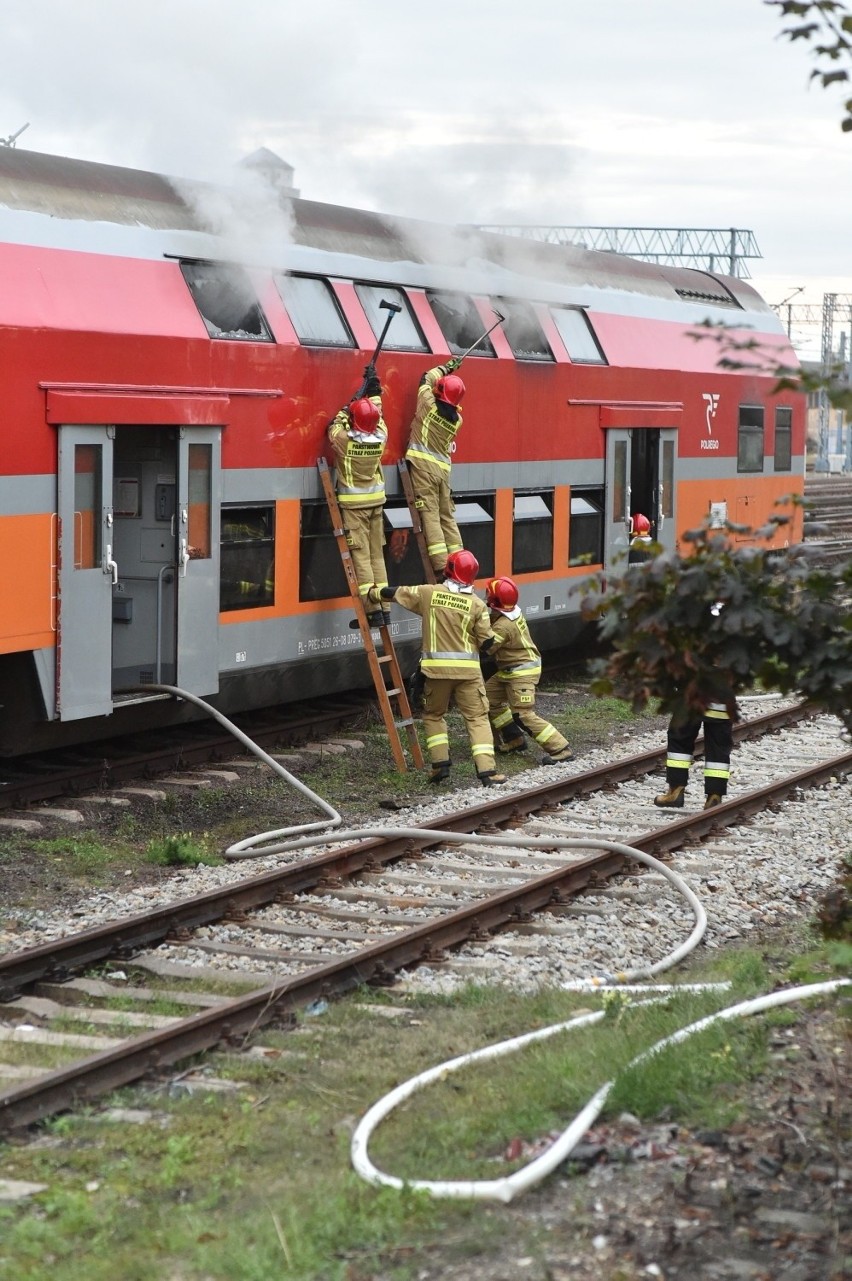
x: 66, y: 203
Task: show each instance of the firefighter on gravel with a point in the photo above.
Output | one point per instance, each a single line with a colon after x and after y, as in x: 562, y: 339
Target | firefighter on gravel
x: 455, y: 631
x: 680, y: 749
x: 358, y: 435
x: 511, y: 690
x: 437, y: 420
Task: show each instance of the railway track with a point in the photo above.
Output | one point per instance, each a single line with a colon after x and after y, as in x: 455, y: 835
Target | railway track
x: 358, y: 912
x: 73, y: 771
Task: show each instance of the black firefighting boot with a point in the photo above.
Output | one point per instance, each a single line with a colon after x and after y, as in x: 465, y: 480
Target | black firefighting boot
x: 490, y: 777
x: 375, y: 618
x: 672, y: 799
x: 509, y: 740
x: 712, y: 800
x: 440, y: 772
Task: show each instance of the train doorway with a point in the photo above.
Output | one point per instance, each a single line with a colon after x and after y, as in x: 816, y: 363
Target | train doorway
x: 640, y: 466
x: 138, y: 564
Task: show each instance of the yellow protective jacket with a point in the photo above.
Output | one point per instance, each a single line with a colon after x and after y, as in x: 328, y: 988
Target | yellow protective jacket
x: 432, y: 435
x: 455, y: 627
x: 518, y: 657
x: 358, y: 459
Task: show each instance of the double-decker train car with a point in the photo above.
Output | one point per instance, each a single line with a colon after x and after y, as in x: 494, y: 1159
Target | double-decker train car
x: 171, y: 354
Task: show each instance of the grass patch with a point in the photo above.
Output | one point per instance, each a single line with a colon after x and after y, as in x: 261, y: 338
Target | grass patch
x: 181, y: 849
x: 258, y: 1184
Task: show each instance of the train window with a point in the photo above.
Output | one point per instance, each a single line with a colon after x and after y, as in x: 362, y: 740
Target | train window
x: 523, y: 332
x: 88, y: 464
x: 532, y: 533
x: 200, y: 492
x: 667, y: 480
x: 314, y: 311
x: 783, y: 438
x: 578, y: 336
x: 225, y: 297
x: 247, y: 542
x: 750, y: 438
x: 586, y: 530
x: 460, y: 321
x: 403, y: 332
x: 474, y: 515
x: 619, y: 482
x: 402, y: 555
x: 321, y: 575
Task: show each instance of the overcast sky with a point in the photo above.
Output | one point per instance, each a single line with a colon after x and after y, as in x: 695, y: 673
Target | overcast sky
x: 669, y: 113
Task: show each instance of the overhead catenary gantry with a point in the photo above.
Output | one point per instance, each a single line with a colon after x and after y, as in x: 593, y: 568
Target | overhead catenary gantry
x: 722, y: 249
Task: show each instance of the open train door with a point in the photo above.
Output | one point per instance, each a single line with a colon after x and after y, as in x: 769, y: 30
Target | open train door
x: 86, y: 572
x: 197, y: 525
x: 640, y: 472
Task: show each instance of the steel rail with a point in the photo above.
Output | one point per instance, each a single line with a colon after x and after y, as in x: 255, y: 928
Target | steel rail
x: 60, y: 958
x: 238, y: 1017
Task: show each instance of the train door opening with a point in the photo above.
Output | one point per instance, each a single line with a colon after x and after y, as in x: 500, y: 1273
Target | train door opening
x: 640, y: 471
x: 138, y: 564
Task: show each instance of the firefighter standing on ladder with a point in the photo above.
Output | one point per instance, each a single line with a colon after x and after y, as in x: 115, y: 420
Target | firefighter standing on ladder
x: 358, y: 435
x: 455, y: 632
x: 436, y: 422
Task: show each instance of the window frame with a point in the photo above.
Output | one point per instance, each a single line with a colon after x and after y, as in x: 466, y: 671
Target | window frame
x: 527, y: 317
x: 747, y: 433
x: 784, y: 434
x: 346, y: 342
x: 263, y: 545
x: 391, y: 293
x: 242, y: 284
x: 466, y: 334
x: 538, y: 565
x: 589, y: 332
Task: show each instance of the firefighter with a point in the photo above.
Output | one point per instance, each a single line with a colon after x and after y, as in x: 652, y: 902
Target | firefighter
x: 436, y: 422
x: 455, y: 632
x: 680, y: 750
x: 358, y: 435
x: 511, y: 690
x: 640, y: 540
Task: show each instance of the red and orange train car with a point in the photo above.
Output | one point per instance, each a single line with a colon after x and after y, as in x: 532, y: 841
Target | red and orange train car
x: 170, y: 356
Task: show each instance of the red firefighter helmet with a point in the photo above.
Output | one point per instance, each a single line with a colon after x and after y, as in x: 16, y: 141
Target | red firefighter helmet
x: 450, y: 388
x: 501, y: 593
x: 462, y: 566
x: 364, y: 414
x: 639, y: 524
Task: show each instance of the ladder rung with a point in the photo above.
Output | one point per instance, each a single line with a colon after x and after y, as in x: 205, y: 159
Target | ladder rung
x: 392, y: 693
x: 404, y: 724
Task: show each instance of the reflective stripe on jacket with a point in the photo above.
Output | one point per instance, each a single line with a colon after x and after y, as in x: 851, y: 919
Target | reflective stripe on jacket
x: 518, y: 657
x: 432, y: 435
x: 360, y: 479
x: 455, y: 627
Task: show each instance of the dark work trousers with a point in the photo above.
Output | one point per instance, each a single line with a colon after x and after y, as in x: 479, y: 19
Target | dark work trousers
x: 718, y: 740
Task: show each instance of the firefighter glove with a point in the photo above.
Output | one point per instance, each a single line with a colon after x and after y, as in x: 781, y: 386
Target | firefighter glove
x: 452, y: 365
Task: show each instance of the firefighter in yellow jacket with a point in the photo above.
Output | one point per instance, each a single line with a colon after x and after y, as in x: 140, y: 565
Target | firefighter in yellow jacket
x: 436, y: 422
x: 455, y: 632
x: 358, y: 435
x: 511, y: 690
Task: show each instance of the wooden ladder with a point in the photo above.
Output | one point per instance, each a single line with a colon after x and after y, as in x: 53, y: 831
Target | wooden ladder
x: 416, y: 525
x: 401, y: 719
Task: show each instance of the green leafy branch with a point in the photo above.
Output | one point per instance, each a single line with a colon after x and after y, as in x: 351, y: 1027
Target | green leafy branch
x: 826, y: 24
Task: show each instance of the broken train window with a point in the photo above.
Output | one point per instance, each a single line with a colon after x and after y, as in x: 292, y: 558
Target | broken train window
x: 226, y: 299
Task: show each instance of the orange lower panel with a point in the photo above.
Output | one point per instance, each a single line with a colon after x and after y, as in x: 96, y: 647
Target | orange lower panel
x: 27, y: 601
x: 748, y: 500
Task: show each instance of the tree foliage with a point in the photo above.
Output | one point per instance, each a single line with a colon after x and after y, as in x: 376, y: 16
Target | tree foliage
x: 782, y: 622
x: 827, y: 26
